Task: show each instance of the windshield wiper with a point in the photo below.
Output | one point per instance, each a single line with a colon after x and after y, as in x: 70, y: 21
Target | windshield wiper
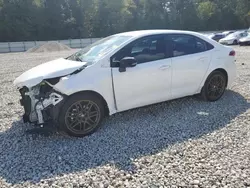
x: 74, y: 57
x: 79, y: 70
x: 78, y: 58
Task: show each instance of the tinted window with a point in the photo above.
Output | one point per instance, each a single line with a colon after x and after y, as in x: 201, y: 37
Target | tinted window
x: 218, y: 36
x: 209, y: 46
x: 187, y: 44
x: 200, y: 45
x: 144, y: 50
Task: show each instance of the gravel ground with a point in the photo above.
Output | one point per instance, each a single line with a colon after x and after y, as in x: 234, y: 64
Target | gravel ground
x: 181, y: 143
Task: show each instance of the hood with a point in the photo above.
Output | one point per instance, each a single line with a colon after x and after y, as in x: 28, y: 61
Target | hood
x: 51, y: 69
x: 230, y: 38
x: 245, y: 38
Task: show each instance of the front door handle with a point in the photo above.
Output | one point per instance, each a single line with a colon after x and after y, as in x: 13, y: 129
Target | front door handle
x: 164, y: 67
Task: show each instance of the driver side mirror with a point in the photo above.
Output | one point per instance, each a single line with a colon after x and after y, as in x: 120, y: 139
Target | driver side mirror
x: 127, y: 62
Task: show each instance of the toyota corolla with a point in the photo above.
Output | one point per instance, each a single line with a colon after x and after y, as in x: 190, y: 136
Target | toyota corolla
x: 121, y: 72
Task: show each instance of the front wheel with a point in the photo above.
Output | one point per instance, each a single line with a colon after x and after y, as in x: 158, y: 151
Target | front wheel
x: 81, y: 115
x: 235, y: 42
x: 214, y: 87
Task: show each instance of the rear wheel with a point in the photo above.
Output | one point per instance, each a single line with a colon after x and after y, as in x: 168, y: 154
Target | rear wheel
x: 81, y: 115
x: 214, y: 87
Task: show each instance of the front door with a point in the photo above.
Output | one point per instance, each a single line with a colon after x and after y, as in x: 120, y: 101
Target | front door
x: 147, y: 83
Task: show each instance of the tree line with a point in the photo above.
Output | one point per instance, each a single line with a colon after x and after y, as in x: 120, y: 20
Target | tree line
x: 22, y: 20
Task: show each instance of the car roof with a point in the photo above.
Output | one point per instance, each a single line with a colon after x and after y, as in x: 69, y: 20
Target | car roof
x: 141, y: 33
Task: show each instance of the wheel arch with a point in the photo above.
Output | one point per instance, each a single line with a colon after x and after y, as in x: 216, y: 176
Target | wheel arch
x: 222, y: 70
x: 91, y: 92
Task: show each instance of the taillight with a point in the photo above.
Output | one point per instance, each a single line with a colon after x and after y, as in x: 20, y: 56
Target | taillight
x: 232, y: 53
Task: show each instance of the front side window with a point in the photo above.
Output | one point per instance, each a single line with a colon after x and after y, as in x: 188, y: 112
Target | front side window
x: 144, y: 50
x: 187, y: 44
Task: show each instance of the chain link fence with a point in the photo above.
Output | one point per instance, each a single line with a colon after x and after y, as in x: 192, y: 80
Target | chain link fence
x: 7, y: 47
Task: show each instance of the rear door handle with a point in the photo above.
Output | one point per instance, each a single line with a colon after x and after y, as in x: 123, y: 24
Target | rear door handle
x: 164, y: 67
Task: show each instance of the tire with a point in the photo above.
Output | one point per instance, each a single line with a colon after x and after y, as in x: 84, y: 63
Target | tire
x: 81, y: 114
x: 235, y: 42
x: 209, y: 88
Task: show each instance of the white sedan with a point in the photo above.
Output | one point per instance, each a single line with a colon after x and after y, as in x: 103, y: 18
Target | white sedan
x: 233, y: 38
x: 245, y: 40
x: 122, y: 72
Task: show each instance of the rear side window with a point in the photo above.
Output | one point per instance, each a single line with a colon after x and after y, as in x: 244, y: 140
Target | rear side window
x: 182, y: 44
x: 209, y: 46
x: 200, y: 45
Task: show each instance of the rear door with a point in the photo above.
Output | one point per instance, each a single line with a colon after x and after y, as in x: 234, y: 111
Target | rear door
x: 191, y: 57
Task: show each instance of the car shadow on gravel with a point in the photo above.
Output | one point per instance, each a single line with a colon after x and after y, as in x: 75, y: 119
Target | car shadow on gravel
x: 122, y: 138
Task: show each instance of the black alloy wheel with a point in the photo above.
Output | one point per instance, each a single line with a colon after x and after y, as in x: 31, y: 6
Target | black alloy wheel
x: 81, y: 115
x: 214, y: 87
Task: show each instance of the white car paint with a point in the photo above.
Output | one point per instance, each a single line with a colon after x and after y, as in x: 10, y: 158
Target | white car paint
x: 182, y: 67
x: 245, y: 39
x: 144, y: 84
x: 152, y: 85
x: 52, y: 69
x: 231, y: 38
x: 227, y: 32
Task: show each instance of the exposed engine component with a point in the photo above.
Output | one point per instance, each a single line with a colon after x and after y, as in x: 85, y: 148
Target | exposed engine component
x: 53, y: 99
x: 36, y: 100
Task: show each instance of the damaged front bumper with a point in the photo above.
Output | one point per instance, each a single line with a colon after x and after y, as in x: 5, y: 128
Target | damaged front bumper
x: 40, y: 105
x: 25, y: 101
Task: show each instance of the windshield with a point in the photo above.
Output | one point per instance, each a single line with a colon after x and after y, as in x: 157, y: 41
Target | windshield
x: 99, y: 48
